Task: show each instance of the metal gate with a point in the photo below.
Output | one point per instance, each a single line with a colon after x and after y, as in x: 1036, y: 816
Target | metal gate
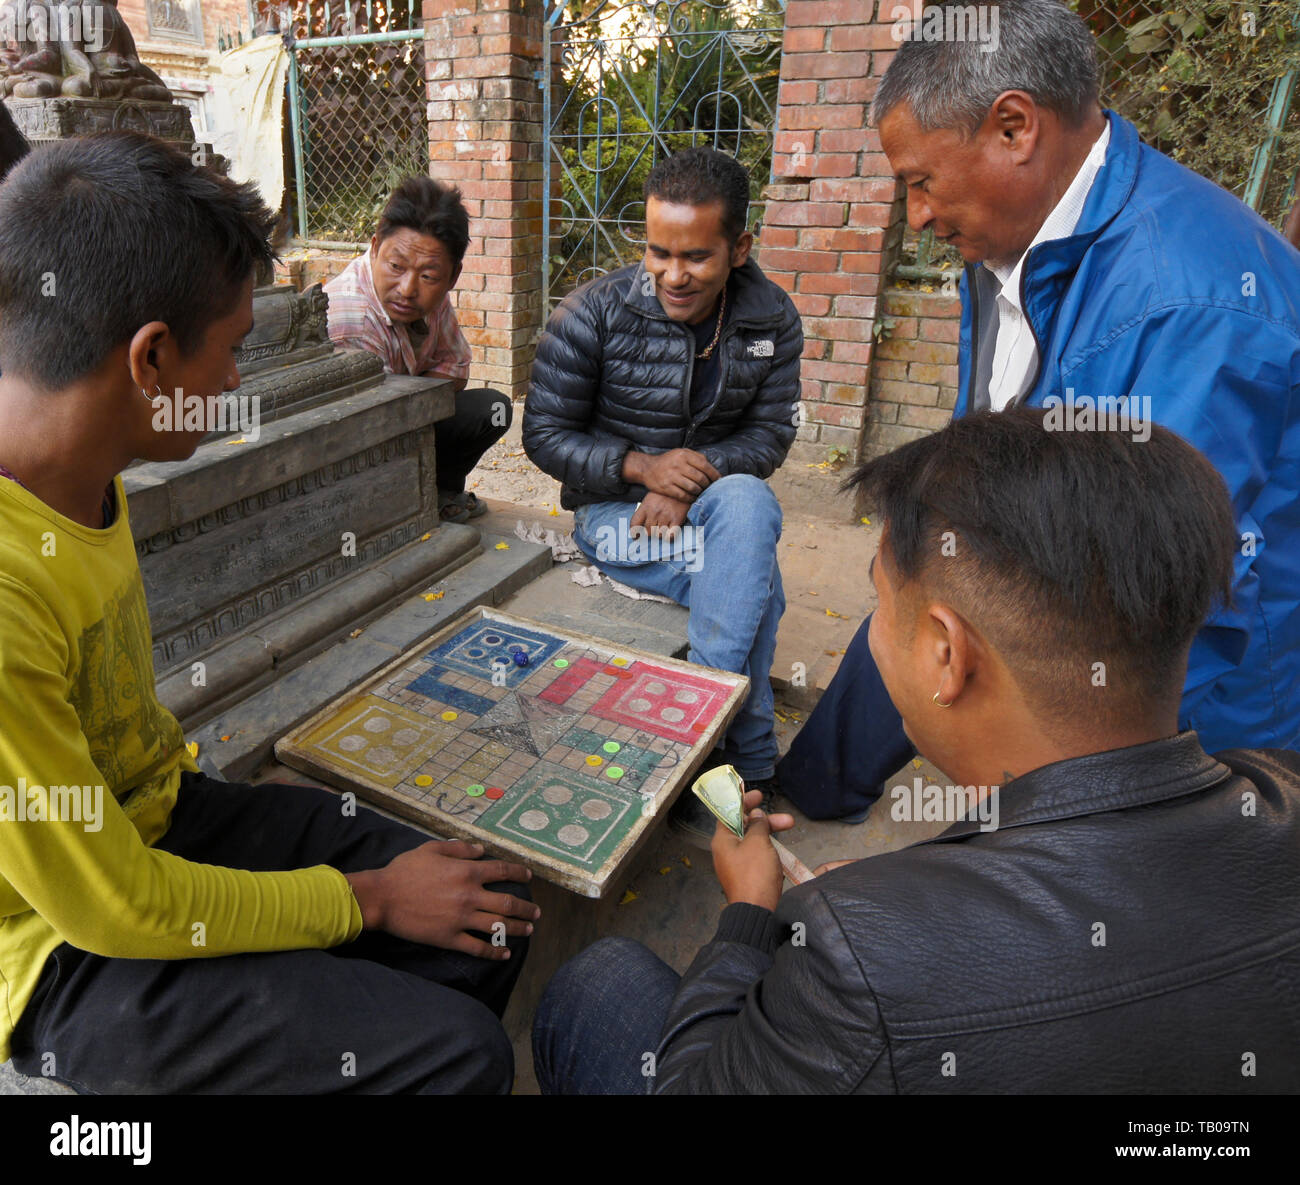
x: 358, y: 112
x: 629, y: 83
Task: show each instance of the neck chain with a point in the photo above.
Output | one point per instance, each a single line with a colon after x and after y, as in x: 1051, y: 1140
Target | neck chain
x: 717, y: 333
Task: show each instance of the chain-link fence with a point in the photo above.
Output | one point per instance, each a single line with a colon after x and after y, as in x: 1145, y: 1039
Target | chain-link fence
x: 1208, y: 82
x: 358, y: 111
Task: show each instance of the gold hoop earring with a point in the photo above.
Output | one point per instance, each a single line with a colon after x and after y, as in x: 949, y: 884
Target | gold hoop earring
x: 938, y: 702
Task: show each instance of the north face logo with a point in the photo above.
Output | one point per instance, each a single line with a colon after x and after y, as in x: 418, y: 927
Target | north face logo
x: 761, y: 349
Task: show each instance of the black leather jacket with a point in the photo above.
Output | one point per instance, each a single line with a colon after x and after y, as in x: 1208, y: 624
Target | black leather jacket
x: 972, y: 963
x: 613, y: 373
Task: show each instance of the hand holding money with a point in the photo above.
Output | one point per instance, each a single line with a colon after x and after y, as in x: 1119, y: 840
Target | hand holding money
x: 749, y: 862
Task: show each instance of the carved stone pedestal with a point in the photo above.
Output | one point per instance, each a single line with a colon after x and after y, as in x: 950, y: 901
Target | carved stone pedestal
x: 268, y: 545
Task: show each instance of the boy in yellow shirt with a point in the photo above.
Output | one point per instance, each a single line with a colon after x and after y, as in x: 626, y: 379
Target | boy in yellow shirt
x: 354, y: 951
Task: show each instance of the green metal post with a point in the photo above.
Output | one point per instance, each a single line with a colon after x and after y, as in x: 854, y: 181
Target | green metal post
x: 1278, y: 108
x: 295, y: 116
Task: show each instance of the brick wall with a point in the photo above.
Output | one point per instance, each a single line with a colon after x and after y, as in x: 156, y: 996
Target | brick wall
x: 216, y: 13
x: 833, y: 227
x: 830, y: 210
x: 914, y: 374
x: 485, y: 135
x: 303, y: 267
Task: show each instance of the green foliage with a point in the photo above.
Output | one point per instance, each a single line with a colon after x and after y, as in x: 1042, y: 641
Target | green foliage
x: 1197, y: 77
x: 629, y: 98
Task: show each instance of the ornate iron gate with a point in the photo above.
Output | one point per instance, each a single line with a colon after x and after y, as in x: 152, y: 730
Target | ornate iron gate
x: 629, y: 83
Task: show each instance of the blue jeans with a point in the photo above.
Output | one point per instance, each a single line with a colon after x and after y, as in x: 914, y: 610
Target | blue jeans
x: 599, y: 1018
x: 724, y: 570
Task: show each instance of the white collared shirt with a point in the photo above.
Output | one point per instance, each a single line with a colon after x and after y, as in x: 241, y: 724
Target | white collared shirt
x: 1015, y: 355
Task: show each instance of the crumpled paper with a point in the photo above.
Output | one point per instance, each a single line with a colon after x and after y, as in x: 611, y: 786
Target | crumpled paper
x: 562, y: 546
x: 590, y: 576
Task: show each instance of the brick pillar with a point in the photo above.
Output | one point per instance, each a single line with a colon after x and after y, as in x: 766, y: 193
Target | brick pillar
x: 914, y: 372
x: 485, y: 135
x: 833, y: 221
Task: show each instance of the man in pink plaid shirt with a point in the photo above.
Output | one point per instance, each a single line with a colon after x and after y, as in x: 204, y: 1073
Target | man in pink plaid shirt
x: 395, y: 301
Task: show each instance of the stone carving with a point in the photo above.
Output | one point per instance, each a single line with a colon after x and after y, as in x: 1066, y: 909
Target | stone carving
x: 285, y: 322
x: 77, y: 48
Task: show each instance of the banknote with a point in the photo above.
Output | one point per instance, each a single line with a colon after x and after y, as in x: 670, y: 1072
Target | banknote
x: 722, y: 791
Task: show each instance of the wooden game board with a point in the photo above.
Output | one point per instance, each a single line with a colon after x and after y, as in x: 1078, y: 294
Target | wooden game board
x: 562, y: 764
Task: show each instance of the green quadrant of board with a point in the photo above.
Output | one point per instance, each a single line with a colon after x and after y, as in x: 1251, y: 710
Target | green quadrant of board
x: 636, y: 763
x: 576, y: 830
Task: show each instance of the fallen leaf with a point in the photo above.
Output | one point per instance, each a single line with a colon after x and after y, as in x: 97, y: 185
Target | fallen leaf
x: 503, y: 546
x: 687, y: 861
x: 832, y: 613
x: 628, y: 898
x: 355, y: 634
x: 227, y: 736
x: 866, y: 522
x: 916, y: 763
x: 435, y: 596
x: 426, y: 537
x: 554, y: 512
x: 241, y: 440
x: 193, y: 748
x: 667, y: 868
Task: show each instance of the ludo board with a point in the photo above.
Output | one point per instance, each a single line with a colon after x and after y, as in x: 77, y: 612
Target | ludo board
x: 557, y: 750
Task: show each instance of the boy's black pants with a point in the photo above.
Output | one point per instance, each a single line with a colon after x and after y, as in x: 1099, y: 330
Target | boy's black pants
x: 378, y: 1015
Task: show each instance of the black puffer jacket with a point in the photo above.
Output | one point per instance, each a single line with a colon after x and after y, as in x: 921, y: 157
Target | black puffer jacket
x: 1133, y: 925
x: 613, y: 373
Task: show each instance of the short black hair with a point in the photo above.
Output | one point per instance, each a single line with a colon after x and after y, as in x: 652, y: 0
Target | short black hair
x: 101, y: 235
x: 700, y: 175
x: 430, y: 208
x: 13, y: 144
x: 1068, y: 548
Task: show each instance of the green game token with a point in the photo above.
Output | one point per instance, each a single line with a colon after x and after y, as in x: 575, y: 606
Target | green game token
x: 561, y: 663
x: 614, y: 772
x: 611, y: 746
x: 476, y: 790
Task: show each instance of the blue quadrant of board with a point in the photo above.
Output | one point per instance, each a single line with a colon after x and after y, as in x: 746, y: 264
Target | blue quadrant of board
x: 432, y: 684
x: 476, y: 648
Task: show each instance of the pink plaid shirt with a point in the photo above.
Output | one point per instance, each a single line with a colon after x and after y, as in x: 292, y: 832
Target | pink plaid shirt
x: 357, y: 321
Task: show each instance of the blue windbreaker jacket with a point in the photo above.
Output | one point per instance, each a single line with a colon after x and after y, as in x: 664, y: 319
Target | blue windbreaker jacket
x: 1172, y: 288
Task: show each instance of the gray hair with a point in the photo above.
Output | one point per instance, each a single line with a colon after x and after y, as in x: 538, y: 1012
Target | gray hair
x: 956, y: 60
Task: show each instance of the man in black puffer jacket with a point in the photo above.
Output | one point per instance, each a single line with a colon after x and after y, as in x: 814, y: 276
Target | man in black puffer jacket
x: 662, y: 395
x: 1113, y: 910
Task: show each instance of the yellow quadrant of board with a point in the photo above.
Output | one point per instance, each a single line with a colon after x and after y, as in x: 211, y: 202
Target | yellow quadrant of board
x: 378, y: 741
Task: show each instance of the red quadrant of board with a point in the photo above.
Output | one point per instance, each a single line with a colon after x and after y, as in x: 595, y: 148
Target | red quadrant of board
x: 667, y: 703
x: 574, y: 679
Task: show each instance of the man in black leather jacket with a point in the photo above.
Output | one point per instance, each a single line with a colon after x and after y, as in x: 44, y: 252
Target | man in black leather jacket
x: 1117, y: 912
x: 661, y: 396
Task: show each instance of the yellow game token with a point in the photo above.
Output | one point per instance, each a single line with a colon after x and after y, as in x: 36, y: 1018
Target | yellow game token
x: 594, y: 760
x: 450, y: 716
x: 423, y: 780
x: 619, y: 662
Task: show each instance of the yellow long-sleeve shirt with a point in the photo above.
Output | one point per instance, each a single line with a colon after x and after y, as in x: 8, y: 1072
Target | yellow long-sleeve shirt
x: 78, y: 711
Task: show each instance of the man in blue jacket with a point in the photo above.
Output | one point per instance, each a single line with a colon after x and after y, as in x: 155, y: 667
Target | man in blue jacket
x: 1106, y: 284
